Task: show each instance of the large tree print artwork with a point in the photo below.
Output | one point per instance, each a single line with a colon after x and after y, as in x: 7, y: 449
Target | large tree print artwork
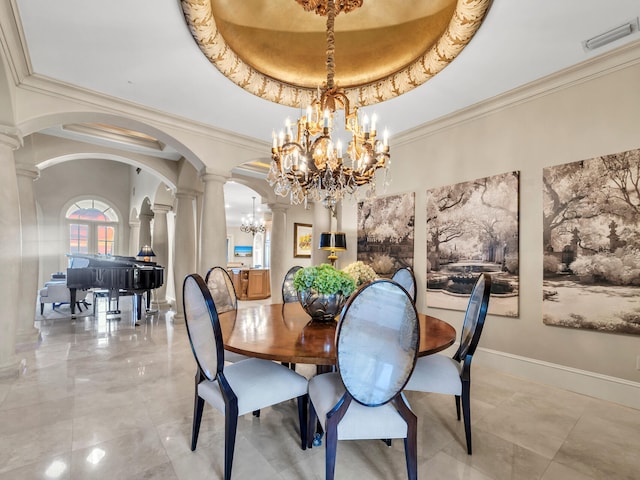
x: 591, y: 240
x: 385, y: 232
x: 472, y: 227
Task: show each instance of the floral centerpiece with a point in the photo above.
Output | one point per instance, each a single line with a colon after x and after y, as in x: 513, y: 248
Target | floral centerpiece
x: 360, y: 272
x: 323, y: 290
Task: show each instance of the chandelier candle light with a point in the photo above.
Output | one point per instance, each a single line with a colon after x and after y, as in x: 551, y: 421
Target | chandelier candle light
x: 306, y: 162
x: 252, y: 226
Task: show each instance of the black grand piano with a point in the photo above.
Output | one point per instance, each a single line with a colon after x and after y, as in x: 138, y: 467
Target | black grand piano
x: 115, y: 274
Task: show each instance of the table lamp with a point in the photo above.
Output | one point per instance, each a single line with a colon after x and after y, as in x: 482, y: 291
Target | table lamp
x: 333, y: 241
x: 146, y: 253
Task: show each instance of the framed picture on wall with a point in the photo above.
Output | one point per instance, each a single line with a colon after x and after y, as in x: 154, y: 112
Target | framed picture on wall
x: 301, y: 240
x: 242, y: 251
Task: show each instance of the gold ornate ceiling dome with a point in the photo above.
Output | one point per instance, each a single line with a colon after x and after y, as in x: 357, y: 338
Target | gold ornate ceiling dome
x: 277, y: 50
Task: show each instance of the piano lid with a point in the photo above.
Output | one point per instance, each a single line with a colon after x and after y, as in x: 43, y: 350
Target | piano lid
x: 87, y: 260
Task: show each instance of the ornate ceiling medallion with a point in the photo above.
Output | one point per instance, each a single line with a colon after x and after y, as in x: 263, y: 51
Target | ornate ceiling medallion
x: 321, y: 6
x: 293, y: 85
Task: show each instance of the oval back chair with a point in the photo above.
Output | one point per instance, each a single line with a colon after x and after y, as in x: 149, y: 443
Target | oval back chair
x: 289, y: 294
x: 222, y: 290
x: 405, y: 277
x: 441, y: 374
x: 377, y: 343
x: 256, y: 383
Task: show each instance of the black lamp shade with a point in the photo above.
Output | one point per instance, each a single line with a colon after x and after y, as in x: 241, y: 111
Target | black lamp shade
x: 146, y: 251
x: 335, y: 241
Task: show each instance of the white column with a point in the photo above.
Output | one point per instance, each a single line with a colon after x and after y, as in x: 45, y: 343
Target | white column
x: 321, y: 223
x: 134, y: 237
x: 213, y: 224
x: 9, y: 255
x: 144, y: 237
x: 26, y: 332
x: 160, y: 246
x: 278, y: 267
x: 185, y: 245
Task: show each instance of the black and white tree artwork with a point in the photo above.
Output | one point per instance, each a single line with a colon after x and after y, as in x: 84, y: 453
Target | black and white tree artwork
x: 472, y: 228
x: 385, y: 232
x: 591, y: 241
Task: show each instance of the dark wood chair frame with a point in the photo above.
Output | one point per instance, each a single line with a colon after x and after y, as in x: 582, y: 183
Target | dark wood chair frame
x: 230, y: 398
x: 466, y: 350
x: 340, y: 409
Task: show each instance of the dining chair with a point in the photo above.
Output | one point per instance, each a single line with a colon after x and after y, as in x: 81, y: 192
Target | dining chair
x: 377, y: 342
x: 222, y: 290
x: 236, y: 389
x: 405, y: 277
x: 289, y: 293
x: 441, y: 374
x: 225, y: 299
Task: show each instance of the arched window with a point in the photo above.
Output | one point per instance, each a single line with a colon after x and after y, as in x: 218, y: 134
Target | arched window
x: 92, y: 227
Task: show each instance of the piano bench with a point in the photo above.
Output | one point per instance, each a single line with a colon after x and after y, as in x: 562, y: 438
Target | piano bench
x: 56, y: 293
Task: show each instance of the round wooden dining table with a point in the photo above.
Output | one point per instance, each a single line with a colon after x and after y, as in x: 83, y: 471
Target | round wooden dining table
x: 285, y: 333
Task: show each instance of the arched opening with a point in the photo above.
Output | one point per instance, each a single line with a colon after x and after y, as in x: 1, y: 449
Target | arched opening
x: 92, y: 227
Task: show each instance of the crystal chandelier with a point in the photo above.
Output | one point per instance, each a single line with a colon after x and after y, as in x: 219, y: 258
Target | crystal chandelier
x: 252, y: 226
x: 306, y: 162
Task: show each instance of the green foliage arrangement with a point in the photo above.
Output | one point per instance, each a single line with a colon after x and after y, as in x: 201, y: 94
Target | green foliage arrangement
x: 324, y: 279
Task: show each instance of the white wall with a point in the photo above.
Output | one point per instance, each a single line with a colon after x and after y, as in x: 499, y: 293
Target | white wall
x: 595, y: 116
x: 102, y: 179
x: 295, y: 214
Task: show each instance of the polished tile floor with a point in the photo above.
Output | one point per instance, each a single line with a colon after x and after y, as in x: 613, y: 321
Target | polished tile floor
x: 104, y: 399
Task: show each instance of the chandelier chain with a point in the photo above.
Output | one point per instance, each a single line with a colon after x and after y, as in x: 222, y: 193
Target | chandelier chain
x: 331, y: 44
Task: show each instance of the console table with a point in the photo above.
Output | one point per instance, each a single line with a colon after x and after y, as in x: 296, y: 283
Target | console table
x: 251, y: 283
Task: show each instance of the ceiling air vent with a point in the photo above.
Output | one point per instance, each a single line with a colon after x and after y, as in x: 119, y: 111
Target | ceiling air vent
x: 611, y: 35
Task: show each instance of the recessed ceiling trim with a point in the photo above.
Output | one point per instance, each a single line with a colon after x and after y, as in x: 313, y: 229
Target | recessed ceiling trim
x: 465, y: 22
x: 115, y: 134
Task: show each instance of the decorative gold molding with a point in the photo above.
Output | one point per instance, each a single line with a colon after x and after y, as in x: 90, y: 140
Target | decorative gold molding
x: 465, y: 22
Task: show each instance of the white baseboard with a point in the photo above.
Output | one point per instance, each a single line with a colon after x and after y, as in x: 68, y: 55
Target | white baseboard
x: 596, y: 385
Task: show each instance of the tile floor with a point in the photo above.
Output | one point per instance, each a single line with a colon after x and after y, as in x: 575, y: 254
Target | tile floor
x: 101, y: 399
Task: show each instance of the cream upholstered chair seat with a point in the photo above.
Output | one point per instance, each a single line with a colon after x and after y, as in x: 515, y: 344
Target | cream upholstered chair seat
x: 360, y: 422
x: 437, y: 374
x: 257, y: 384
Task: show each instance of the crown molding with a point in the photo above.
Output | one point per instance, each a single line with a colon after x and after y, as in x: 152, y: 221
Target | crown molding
x: 618, y: 59
x: 13, y: 48
x: 107, y: 104
x: 12, y: 42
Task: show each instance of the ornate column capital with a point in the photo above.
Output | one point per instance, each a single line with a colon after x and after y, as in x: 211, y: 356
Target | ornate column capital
x: 208, y: 176
x: 278, y: 207
x: 161, y: 208
x: 30, y: 171
x: 10, y: 137
x: 186, y: 193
